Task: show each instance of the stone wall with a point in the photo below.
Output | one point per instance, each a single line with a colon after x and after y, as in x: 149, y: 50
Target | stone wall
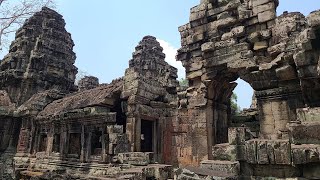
x: 150, y: 93
x: 277, y: 56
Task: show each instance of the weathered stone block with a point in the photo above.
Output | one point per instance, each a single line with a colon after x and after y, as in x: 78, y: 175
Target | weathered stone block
x: 197, y: 15
x: 266, y: 16
x: 282, y: 152
x: 135, y: 158
x: 227, y: 167
x: 259, y: 2
x: 314, y: 18
x: 194, y: 38
x: 226, y: 43
x: 263, y: 7
x: 227, y: 152
x: 305, y: 133
x: 209, y: 46
x: 251, y: 151
x: 260, y: 45
x: 276, y: 49
x: 286, y: 73
x: 262, y: 152
x: 237, y: 136
x: 192, y: 75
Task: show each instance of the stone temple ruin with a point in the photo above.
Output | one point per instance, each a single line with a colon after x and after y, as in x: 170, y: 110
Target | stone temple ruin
x: 144, y: 125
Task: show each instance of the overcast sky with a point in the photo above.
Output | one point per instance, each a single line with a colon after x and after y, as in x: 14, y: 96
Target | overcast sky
x: 106, y: 31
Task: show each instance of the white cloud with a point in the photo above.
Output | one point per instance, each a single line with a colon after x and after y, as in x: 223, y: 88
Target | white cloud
x: 171, y: 52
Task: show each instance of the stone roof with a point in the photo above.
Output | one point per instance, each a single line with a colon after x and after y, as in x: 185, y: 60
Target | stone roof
x: 104, y: 95
x: 38, y: 102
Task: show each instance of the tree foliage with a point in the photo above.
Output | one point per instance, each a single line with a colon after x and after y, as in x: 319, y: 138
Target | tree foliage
x: 235, y: 109
x: 184, y: 82
x: 13, y: 13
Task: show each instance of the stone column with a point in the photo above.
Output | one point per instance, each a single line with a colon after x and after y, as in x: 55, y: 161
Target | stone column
x: 210, y: 127
x: 137, y: 132
x: 130, y: 131
x: 63, y: 141
x: 88, y: 152
x: 276, y: 110
x: 103, y: 144
x: 82, y: 155
x: 50, y: 140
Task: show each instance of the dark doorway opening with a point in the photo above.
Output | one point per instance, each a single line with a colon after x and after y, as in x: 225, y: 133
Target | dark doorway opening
x: 43, y: 143
x: 56, y: 143
x: 96, y: 143
x: 147, y: 136
x: 74, y: 144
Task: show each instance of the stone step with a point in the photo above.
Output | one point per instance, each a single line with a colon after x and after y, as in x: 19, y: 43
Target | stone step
x: 222, y: 168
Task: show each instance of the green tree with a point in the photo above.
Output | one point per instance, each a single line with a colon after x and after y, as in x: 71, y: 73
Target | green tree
x: 235, y: 109
x: 184, y: 82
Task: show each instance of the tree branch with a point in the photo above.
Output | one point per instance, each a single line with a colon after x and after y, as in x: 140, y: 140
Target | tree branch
x: 13, y: 14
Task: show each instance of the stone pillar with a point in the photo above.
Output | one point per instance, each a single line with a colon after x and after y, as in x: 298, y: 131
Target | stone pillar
x: 137, y: 132
x: 130, y: 130
x: 103, y: 144
x: 63, y: 141
x: 276, y: 109
x: 50, y: 137
x: 88, y: 152
x: 274, y: 116
x: 82, y: 155
x: 210, y: 127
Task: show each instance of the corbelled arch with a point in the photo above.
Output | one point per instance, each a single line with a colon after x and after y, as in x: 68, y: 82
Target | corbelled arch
x: 277, y: 56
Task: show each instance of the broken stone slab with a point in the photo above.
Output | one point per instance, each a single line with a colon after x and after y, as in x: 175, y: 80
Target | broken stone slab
x: 231, y: 168
x: 226, y: 43
x: 192, y: 75
x: 286, y: 73
x: 135, y: 158
x: 305, y: 153
x: 237, y: 135
x: 277, y: 49
x: 261, y: 45
x: 259, y: 2
x: 304, y: 133
x: 208, y: 46
x: 263, y: 7
x: 221, y: 23
x: 254, y: 37
x: 227, y: 152
x: 197, y: 15
x: 266, y: 16
x: 260, y: 151
x: 235, y: 32
x: 233, y: 4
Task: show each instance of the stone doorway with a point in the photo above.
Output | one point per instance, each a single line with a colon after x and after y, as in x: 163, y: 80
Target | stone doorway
x: 43, y: 142
x: 56, y: 143
x: 74, y: 144
x: 147, y: 136
x: 96, y: 143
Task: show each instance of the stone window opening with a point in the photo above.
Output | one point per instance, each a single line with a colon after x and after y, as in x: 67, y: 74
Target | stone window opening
x: 96, y: 143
